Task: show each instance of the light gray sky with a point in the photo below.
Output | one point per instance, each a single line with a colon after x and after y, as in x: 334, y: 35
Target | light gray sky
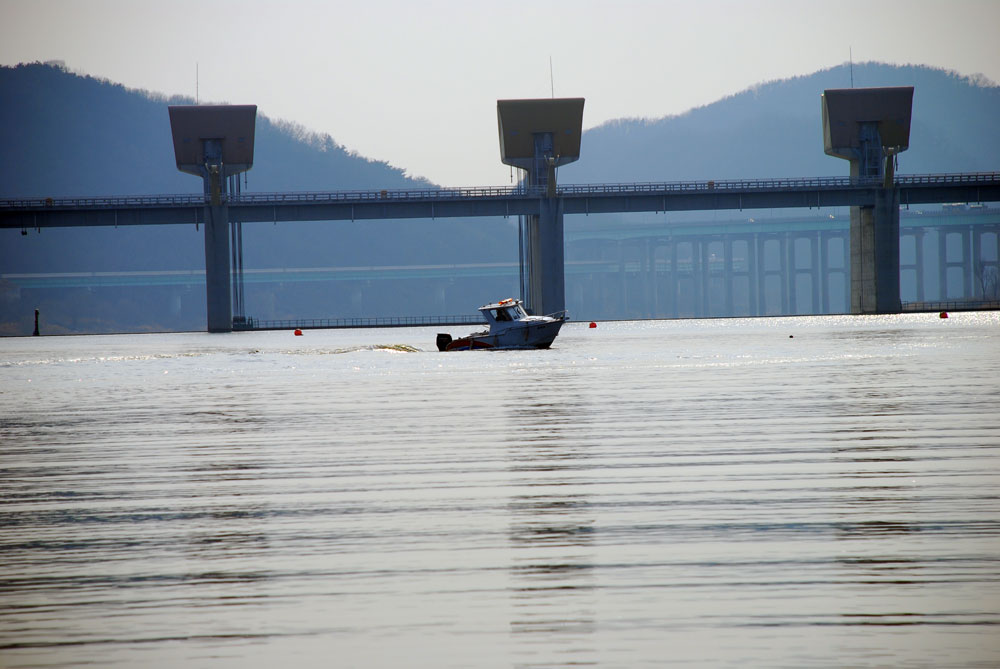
x: 415, y: 83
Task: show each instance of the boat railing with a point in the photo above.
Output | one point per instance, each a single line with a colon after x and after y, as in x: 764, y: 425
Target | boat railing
x: 357, y: 322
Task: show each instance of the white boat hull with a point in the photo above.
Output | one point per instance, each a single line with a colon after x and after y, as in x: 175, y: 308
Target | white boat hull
x: 538, y: 334
x: 510, y: 326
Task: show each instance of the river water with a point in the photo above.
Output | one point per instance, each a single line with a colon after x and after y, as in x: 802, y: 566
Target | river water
x: 790, y: 492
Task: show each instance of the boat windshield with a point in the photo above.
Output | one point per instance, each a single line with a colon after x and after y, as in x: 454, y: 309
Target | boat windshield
x: 511, y: 313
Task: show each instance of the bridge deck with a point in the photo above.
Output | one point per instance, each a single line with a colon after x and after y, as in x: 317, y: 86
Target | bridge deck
x: 496, y: 201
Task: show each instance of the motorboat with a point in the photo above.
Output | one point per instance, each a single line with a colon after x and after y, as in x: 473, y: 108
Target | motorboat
x: 510, y: 326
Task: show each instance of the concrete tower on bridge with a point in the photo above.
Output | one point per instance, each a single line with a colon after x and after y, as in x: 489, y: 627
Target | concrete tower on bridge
x: 215, y: 142
x: 869, y: 127
x: 538, y: 136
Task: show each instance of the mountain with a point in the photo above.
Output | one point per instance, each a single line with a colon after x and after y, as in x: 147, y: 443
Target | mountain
x: 774, y: 130
x: 64, y: 134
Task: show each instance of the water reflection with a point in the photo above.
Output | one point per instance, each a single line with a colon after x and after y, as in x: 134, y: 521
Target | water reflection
x: 230, y: 483
x: 680, y: 496
x: 551, y: 533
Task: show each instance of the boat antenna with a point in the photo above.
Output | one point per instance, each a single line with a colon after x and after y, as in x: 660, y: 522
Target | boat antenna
x: 196, y: 82
x: 850, y: 57
x: 552, y: 81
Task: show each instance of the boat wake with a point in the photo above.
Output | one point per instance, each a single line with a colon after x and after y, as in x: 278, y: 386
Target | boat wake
x: 398, y: 348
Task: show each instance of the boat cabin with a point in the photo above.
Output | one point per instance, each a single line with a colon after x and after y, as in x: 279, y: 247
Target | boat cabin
x: 503, y: 312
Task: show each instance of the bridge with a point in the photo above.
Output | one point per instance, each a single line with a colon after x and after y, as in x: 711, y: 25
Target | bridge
x: 536, y: 136
x: 806, y: 192
x: 188, y: 209
x: 743, y: 242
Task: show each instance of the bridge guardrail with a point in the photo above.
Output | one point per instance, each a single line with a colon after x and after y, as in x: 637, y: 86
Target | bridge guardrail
x: 486, y: 192
x: 952, y: 305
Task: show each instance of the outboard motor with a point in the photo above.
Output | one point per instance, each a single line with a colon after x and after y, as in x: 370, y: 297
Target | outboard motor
x: 443, y: 339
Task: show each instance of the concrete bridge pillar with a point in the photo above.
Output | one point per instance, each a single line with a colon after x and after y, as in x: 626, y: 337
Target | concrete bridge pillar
x: 673, y: 278
x: 823, y: 243
x: 990, y: 267
x: 546, y: 260
x: 942, y: 265
x: 976, y: 261
x: 652, y: 296
x: 215, y: 142
x: 992, y: 282
x: 727, y: 274
x: 875, y: 255
x: 870, y: 127
x: 622, y: 278
x: 218, y: 295
x: 791, y: 274
x: 539, y: 136
x: 760, y: 280
x: 753, y: 276
x: 918, y: 261
x: 815, y: 247
x: 783, y: 272
x: 702, y: 278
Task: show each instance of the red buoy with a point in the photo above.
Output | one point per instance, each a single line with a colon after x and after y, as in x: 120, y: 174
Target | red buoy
x: 298, y: 332
x: 943, y: 314
x: 593, y: 324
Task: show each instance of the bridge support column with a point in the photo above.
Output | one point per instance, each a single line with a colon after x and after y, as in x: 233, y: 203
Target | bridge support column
x: 622, y: 279
x: 975, y: 263
x: 673, y: 279
x: 823, y: 258
x: 218, y: 295
x: 815, y: 248
x: 652, y: 298
x: 215, y: 142
x: 753, y: 275
x: 539, y: 136
x: 784, y: 270
x: 942, y: 257
x: 546, y: 259
x: 760, y: 278
x: 703, y: 279
x: 918, y: 260
x: 727, y: 276
x: 791, y: 299
x: 845, y: 259
x: 875, y: 255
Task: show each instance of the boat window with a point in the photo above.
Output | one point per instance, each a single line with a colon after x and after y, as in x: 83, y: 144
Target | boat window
x: 502, y: 315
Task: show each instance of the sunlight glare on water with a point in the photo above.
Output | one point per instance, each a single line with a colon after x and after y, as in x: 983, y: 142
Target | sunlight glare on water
x: 798, y: 492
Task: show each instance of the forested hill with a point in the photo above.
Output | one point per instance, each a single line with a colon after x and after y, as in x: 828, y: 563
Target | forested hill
x: 66, y: 134
x: 774, y: 130
x: 61, y: 133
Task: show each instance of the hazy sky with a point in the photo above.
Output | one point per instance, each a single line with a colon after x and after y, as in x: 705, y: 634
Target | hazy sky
x: 415, y: 83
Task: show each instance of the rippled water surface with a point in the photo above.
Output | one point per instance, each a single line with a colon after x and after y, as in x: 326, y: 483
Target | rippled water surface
x: 796, y: 492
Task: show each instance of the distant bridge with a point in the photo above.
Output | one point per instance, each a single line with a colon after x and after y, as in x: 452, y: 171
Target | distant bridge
x: 656, y: 267
x: 37, y: 213
x: 809, y: 192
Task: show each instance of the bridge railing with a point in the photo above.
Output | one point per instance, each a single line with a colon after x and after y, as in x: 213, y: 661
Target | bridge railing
x: 103, y: 202
x: 970, y: 304
x: 486, y: 192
